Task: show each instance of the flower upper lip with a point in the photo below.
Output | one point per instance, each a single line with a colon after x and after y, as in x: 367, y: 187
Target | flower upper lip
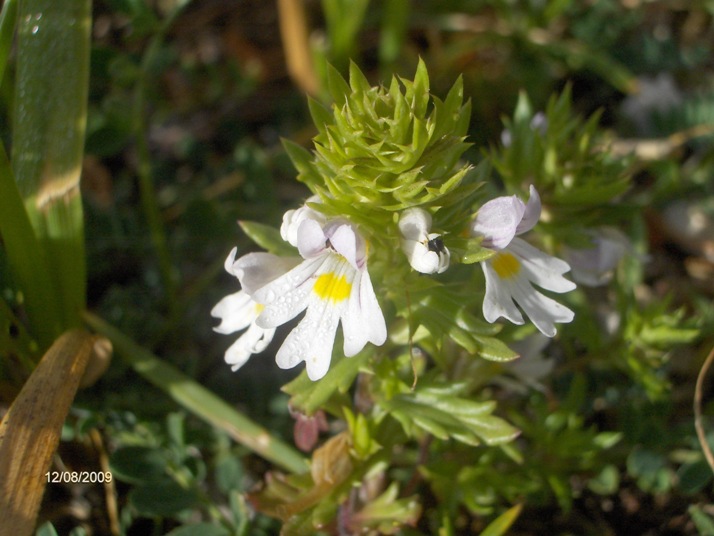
x: 425, y: 251
x: 503, y: 218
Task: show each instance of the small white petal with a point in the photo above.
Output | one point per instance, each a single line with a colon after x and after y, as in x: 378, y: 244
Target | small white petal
x: 425, y: 251
x: 287, y: 296
x: 498, y: 301
x: 542, y: 269
x: 253, y: 341
x: 230, y: 261
x: 344, y: 240
x: 415, y: 223
x: 531, y: 214
x: 498, y: 220
x: 544, y: 312
x: 255, y: 270
x: 293, y: 218
x: 312, y: 340
x: 371, y: 312
x: 311, y: 239
x: 362, y: 321
x: 420, y: 257
x: 236, y: 312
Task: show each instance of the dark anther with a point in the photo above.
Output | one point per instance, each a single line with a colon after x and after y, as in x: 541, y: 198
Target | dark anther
x: 13, y: 330
x: 436, y: 245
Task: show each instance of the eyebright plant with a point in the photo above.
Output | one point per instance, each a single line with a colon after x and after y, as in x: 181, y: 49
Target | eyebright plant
x: 385, y: 249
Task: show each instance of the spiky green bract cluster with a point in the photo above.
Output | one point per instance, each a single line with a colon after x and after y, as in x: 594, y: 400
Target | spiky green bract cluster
x: 563, y: 156
x: 381, y: 150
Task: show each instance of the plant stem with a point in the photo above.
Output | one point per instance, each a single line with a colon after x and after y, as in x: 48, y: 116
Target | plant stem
x: 149, y: 201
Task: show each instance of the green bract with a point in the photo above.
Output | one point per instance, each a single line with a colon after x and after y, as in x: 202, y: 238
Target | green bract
x: 381, y: 150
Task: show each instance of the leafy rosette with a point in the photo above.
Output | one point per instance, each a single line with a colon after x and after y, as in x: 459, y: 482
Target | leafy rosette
x: 380, y: 150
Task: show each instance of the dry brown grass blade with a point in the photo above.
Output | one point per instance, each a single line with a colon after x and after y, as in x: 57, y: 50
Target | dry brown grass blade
x: 698, y: 409
x: 30, y: 430
x: 296, y: 45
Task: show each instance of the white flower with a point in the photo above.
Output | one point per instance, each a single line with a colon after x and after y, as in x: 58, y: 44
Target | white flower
x: 331, y: 284
x: 237, y: 312
x: 517, y: 266
x: 426, y: 251
x: 595, y: 266
x: 293, y: 218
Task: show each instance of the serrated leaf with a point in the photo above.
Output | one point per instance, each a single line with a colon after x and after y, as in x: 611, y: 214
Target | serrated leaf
x: 337, y: 86
x: 321, y: 117
x: 300, y: 157
x: 358, y: 82
x: 421, y: 89
x: 447, y: 416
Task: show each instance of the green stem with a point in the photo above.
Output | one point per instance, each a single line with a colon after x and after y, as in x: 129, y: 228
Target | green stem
x: 199, y: 400
x: 149, y: 201
x: 8, y: 17
x: 26, y: 259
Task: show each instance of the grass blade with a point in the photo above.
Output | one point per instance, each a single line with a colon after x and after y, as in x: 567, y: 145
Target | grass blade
x: 199, y: 400
x: 48, y: 139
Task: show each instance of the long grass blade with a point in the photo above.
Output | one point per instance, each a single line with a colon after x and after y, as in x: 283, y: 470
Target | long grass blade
x: 8, y: 16
x: 26, y: 260
x: 199, y: 400
x: 48, y: 138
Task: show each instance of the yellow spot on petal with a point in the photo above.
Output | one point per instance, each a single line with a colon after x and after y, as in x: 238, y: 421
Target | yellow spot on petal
x: 506, y: 265
x: 332, y: 287
x: 259, y: 308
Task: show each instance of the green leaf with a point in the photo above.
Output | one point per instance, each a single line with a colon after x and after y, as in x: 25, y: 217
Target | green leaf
x: 8, y: 17
x: 420, y: 90
x: 445, y: 415
x: 387, y: 514
x: 14, y: 339
x: 308, y: 396
x: 300, y: 157
x: 694, y: 477
x: 358, y: 81
x: 703, y: 521
x: 321, y: 117
x: 200, y: 529
x: 502, y: 523
x: 337, y: 86
x: 162, y: 498
x: 606, y: 482
x: 268, y: 238
x: 27, y: 261
x: 494, y: 349
x: 46, y: 529
x: 228, y: 472
x: 48, y: 138
x: 137, y: 465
